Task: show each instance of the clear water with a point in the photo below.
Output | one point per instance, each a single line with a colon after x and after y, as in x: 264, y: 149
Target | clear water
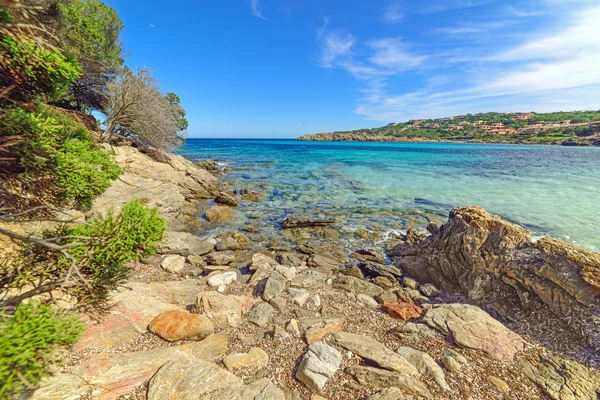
x: 552, y: 190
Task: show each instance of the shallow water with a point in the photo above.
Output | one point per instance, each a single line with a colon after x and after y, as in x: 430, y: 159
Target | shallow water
x: 552, y: 190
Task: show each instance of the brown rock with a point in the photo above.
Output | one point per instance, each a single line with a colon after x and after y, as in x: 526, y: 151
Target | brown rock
x: 180, y: 325
x: 384, y: 282
x: 316, y: 329
x: 227, y: 198
x: 219, y: 214
x: 404, y: 311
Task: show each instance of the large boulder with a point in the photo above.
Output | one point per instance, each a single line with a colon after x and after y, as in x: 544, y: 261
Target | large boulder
x: 473, y: 328
x: 479, y: 254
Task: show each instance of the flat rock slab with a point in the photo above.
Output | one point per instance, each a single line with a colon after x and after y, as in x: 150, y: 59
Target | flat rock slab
x: 222, y: 309
x: 184, y: 244
x: 254, y: 358
x: 318, y: 365
x: 473, y: 328
x: 381, y: 379
x: 306, y: 222
x: 425, y: 364
x: 316, y: 329
x: 375, y: 351
x: 356, y: 286
x: 112, y: 375
x: 403, y: 311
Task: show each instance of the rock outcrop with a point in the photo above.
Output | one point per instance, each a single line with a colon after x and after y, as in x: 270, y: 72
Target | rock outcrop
x: 477, y: 253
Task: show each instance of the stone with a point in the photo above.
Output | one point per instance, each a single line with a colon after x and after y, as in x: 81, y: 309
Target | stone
x: 261, y: 314
x: 315, y: 396
x: 300, y: 297
x: 289, y: 259
x: 391, y: 393
x: 410, y: 283
x: 278, y: 303
x: 372, y: 350
x: 275, y: 286
x: 323, y: 261
x: 473, y: 328
x: 428, y: 290
x: 455, y: 354
x: 61, y: 386
x: 370, y: 255
x: 219, y: 214
x: 450, y: 363
x: 384, y: 282
x: 288, y: 272
x: 388, y: 295
x: 112, y: 375
x: 220, y: 258
x: 177, y: 325
x: 184, y: 244
x: 403, y: 311
x: 318, y: 365
x: 254, y: 358
x: 305, y: 222
x: 308, y: 280
x: 375, y: 269
x: 228, y: 243
x: 212, y: 268
x: 221, y: 280
x: 367, y: 300
x: 186, y: 378
x: 197, y: 260
x: 425, y: 365
x: 292, y: 327
x: 562, y: 379
x: 259, y: 260
x: 381, y: 379
x: 315, y: 329
x: 412, y: 332
x: 356, y: 286
x: 499, y: 384
x: 173, y: 263
x: 354, y: 271
x: 223, y: 310
x: 227, y: 199
x: 316, y: 300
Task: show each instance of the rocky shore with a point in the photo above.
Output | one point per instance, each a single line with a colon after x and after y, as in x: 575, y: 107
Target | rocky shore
x: 475, y: 309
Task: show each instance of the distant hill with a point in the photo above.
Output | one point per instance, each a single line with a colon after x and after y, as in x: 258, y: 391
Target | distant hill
x: 566, y: 128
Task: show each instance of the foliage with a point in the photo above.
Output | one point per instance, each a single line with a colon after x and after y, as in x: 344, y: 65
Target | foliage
x: 27, y: 340
x: 63, y: 151
x: 137, y: 110
x: 117, y: 239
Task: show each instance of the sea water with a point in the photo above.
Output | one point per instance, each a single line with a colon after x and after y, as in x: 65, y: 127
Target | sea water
x: 551, y: 190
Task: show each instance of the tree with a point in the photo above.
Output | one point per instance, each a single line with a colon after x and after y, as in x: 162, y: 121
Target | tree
x: 137, y: 110
x: 182, y: 122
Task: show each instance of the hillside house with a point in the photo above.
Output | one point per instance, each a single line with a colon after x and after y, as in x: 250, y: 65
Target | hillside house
x: 431, y: 126
x: 497, y: 125
x: 523, y: 116
x: 455, y: 128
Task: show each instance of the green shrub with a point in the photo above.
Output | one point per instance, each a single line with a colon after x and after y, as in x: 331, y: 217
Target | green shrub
x: 132, y: 234
x: 27, y: 340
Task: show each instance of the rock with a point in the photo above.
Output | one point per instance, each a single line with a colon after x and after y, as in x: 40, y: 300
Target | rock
x: 410, y: 283
x: 220, y: 281
x: 219, y: 214
x: 499, y: 384
x: 370, y: 255
x: 372, y: 350
x: 228, y: 243
x: 300, y: 297
x: 288, y: 272
x: 391, y: 393
x: 412, y: 332
x: 425, y: 365
x: 473, y: 328
x: 316, y: 397
x: 173, y: 263
x: 450, y: 363
x: 562, y: 379
x: 428, y: 290
x: 323, y: 261
x: 176, y: 325
x: 254, y: 358
x: 275, y: 286
x: 367, y: 300
x: 455, y: 354
x: 289, y: 259
x: 376, y: 269
x: 112, y: 375
x: 278, y: 303
x: 197, y: 260
x: 260, y: 260
x: 305, y: 222
x: 261, y: 314
x: 292, y: 327
x: 356, y: 286
x: 186, y: 378
x: 481, y: 255
x: 403, y: 311
x: 383, y: 282
x: 380, y: 379
x: 354, y: 271
x: 212, y: 268
x: 227, y: 198
x: 184, y: 244
x: 308, y: 280
x: 318, y: 365
x: 61, y: 386
x: 388, y: 295
x: 223, y: 310
x: 220, y: 258
x: 316, y: 300
x: 315, y: 329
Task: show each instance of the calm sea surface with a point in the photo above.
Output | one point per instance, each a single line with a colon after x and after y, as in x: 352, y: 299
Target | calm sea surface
x: 552, y: 190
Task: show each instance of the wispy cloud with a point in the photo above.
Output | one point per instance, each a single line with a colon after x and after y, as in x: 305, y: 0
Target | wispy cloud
x: 392, y: 13
x: 335, y: 48
x: 255, y: 9
x: 447, y: 5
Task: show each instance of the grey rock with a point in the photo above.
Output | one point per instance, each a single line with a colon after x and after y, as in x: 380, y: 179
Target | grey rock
x: 289, y: 259
x: 275, y: 286
x: 308, y: 280
x: 305, y: 222
x: 288, y: 272
x: 227, y: 198
x: 261, y: 314
x: 323, y: 261
x: 318, y: 365
x: 228, y: 243
x: 413, y: 332
x: 220, y: 258
x: 381, y: 379
x: 428, y: 290
x: 391, y: 393
x: 173, y: 263
x: 184, y: 244
x: 367, y: 300
x: 425, y: 365
x: 279, y: 303
x: 356, y: 286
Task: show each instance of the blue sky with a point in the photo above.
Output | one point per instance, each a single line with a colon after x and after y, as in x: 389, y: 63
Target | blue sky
x: 282, y: 68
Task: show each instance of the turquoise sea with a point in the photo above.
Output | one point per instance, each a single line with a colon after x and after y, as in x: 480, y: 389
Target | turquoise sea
x: 551, y: 190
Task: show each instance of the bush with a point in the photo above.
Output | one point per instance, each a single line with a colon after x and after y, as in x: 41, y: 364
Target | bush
x: 64, y: 150
x: 27, y: 340
x: 117, y: 239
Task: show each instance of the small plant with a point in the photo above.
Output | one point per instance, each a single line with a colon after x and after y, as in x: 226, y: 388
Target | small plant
x: 27, y: 340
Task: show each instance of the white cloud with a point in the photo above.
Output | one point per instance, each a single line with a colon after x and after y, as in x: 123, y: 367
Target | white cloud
x: 335, y: 46
x: 392, y: 13
x: 256, y: 11
x: 391, y: 54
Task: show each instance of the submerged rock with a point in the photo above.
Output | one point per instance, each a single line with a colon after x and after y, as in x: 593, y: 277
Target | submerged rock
x: 305, y: 222
x: 227, y: 198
